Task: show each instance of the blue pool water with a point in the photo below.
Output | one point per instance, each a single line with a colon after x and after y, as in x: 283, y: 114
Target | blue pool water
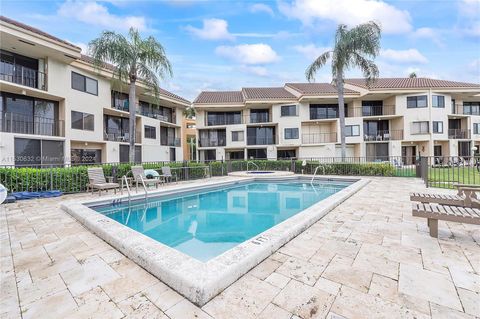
x: 204, y: 224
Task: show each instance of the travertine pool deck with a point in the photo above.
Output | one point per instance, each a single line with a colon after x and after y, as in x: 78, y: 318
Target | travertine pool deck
x: 368, y: 258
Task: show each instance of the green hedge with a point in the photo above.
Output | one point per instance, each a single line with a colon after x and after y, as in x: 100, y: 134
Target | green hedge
x: 74, y: 179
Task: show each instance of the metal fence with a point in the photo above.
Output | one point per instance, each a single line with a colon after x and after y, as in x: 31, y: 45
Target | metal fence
x: 445, y: 172
x: 442, y: 172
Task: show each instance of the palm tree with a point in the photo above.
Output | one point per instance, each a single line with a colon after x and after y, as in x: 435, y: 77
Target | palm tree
x: 412, y: 75
x: 189, y: 112
x: 356, y: 47
x: 135, y: 59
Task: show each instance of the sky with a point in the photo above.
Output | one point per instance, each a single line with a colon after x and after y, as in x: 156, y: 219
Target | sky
x: 227, y: 44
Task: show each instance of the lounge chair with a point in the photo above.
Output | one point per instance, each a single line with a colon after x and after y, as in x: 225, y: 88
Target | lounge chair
x: 434, y: 213
x: 96, y: 180
x: 139, y: 175
x: 167, y: 174
x: 467, y: 190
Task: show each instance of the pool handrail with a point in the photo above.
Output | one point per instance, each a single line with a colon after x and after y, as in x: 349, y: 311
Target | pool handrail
x: 253, y: 163
x: 124, y: 179
x: 315, y: 173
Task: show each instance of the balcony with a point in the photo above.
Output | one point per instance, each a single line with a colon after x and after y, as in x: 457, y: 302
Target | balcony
x: 319, y: 138
x: 170, y: 141
x: 254, y: 118
x: 206, y: 142
x: 24, y: 124
x: 468, y: 109
x: 385, y: 135
x: 372, y: 110
x: 21, y: 75
x: 223, y: 118
x: 115, y: 135
x: 459, y: 134
x: 256, y: 140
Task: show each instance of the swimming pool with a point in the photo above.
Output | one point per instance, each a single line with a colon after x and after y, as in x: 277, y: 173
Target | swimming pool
x: 200, y: 237
x: 205, y: 224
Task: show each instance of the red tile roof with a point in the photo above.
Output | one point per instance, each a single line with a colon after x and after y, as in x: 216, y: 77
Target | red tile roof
x: 35, y: 30
x: 267, y: 93
x: 410, y: 83
x: 219, y: 97
x: 317, y: 88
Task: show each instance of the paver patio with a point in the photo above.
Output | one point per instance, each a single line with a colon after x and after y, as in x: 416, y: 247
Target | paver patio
x: 368, y: 258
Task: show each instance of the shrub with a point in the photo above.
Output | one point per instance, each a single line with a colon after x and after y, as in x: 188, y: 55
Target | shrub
x: 74, y: 179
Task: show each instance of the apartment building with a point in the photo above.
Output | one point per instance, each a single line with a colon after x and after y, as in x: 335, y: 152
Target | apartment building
x: 56, y: 108
x: 401, y: 117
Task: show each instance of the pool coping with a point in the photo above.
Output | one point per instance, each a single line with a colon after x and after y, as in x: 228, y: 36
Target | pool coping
x: 198, y: 281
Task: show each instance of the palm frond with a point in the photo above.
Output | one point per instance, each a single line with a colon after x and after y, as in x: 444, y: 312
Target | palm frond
x: 317, y: 64
x: 368, y: 67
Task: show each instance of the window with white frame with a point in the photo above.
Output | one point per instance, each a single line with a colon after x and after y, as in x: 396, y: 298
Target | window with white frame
x: 237, y: 136
x: 352, y: 130
x: 291, y: 133
x: 437, y: 127
x: 421, y: 127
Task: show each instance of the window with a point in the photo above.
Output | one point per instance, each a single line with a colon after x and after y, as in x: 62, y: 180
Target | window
x: 471, y: 108
x: 377, y: 151
x: 352, y: 130
x: 150, y: 132
x: 224, y: 118
x: 325, y: 111
x: 125, y: 155
x: 438, y: 101
x: 257, y: 153
x: 31, y: 152
x: 27, y: 115
x: 476, y: 128
x: 291, y: 133
x: 82, y: 156
x: 82, y: 121
x: 235, y: 155
x: 286, y: 154
x: 437, y: 127
x: 260, y: 135
x: 167, y: 136
x: 212, y: 138
x: 237, y: 136
x: 416, y: 101
x: 420, y: 127
x: 289, y: 110
x: 84, y: 84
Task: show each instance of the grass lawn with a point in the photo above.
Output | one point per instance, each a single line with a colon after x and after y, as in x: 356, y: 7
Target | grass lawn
x: 446, y: 177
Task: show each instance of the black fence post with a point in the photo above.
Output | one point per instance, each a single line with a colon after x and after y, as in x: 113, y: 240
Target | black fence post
x: 185, y: 170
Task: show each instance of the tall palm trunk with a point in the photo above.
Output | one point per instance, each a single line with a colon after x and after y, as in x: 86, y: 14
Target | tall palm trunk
x: 132, y: 108
x: 341, y: 113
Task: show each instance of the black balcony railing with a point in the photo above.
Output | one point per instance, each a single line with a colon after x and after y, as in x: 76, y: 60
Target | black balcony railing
x: 170, y: 141
x: 465, y: 109
x: 19, y: 74
x: 319, y: 138
x: 255, y: 140
x: 384, y: 135
x: 205, y: 142
x: 372, y: 110
x: 35, y: 125
x: 459, y: 134
x: 257, y: 118
x: 115, y: 135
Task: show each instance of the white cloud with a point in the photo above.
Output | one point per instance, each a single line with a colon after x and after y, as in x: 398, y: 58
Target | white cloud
x: 470, y: 11
x: 248, y: 53
x: 310, y: 51
x: 261, y: 7
x: 255, y: 70
x: 349, y: 12
x: 428, y: 33
x: 98, y: 14
x: 403, y: 56
x: 213, y: 29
